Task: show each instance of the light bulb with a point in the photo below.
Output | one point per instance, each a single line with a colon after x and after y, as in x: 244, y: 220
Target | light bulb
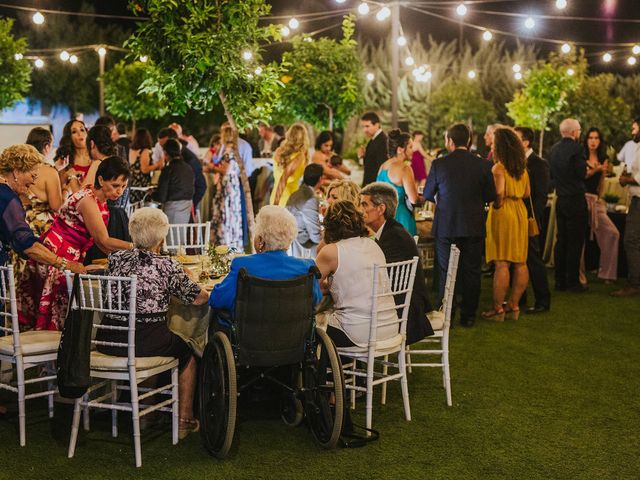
x: 607, y: 57
x: 39, y: 63
x: 102, y: 51
x: 636, y: 49
x: 631, y: 61
x: 561, y: 4
x: 64, y: 55
x: 258, y: 70
x: 363, y: 8
x: 370, y: 77
x: 340, y: 1
x: 38, y: 18
x: 517, y: 76
x: 409, y: 61
x: 529, y: 23
x: 487, y: 36
x: 284, y: 31
x: 144, y: 58
x: 571, y: 72
x: 471, y: 74
x: 461, y: 10
x: 402, y: 41
x: 516, y: 68
x: 566, y: 48
x: 294, y: 23
x: 73, y: 59
x: 247, y: 55
x: 383, y: 14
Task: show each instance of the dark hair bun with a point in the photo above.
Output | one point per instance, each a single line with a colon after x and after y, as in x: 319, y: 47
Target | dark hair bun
x: 397, y: 139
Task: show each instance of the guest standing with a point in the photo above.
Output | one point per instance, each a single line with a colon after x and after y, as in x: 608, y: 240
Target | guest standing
x: 601, y: 226
x: 288, y: 164
x: 176, y: 184
x: 460, y: 184
x: 376, y: 152
x: 304, y: 205
x: 568, y: 171
x: 418, y: 160
x: 538, y: 170
x: 72, y: 158
x: 397, y: 172
x: 140, y: 162
x: 507, y: 226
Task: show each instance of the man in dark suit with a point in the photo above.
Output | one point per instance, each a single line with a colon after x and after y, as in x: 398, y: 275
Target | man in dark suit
x: 375, y: 154
x: 538, y: 170
x: 460, y: 184
x: 379, y: 202
x: 568, y: 171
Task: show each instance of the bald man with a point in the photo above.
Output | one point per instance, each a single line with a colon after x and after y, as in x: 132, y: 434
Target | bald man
x: 568, y: 171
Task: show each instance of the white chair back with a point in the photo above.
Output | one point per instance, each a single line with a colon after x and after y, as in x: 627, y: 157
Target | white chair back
x: 9, y: 307
x: 182, y: 236
x: 450, y: 286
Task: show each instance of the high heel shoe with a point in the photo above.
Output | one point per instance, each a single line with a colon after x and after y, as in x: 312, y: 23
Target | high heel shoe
x: 496, y: 314
x: 512, y: 313
x: 187, y: 426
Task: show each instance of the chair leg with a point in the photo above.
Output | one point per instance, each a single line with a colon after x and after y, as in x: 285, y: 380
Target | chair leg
x: 135, y: 414
x: 21, y: 401
x: 50, y: 386
x: 114, y: 412
x: 447, y: 378
x: 404, y: 384
x: 75, y: 426
x: 385, y: 370
x: 85, y: 412
x: 175, y: 405
x: 369, y: 410
x: 353, y: 391
x: 409, y: 359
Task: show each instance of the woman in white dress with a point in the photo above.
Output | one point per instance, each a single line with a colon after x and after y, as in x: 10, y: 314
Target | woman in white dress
x: 346, y: 264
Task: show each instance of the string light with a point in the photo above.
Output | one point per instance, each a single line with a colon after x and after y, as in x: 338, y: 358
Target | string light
x: 571, y: 72
x: 409, y: 61
x: 39, y: 63
x: 487, y: 36
x: 363, y: 8
x: 370, y: 77
x: 631, y: 61
x: 383, y: 14
x: 402, y: 41
x: 516, y: 68
x: 566, y: 48
x: 73, y: 59
x: 472, y: 74
x: 607, y: 57
x: 340, y: 1
x: 102, y: 51
x: 561, y: 4
x: 284, y: 31
x: 636, y: 49
x: 64, y: 55
x: 18, y: 56
x: 461, y: 10
x: 247, y: 55
x: 258, y: 70
x: 517, y: 76
x: 38, y: 19
x: 294, y: 23
x: 529, y: 23
x: 144, y: 58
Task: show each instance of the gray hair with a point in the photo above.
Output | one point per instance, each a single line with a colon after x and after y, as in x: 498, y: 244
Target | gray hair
x: 276, y: 226
x: 148, y: 227
x: 382, y: 194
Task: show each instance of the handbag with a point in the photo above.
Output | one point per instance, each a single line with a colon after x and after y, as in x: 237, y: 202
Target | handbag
x: 73, y: 365
x: 533, y: 224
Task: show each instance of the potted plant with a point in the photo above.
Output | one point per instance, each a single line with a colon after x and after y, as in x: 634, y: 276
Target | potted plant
x: 611, y: 200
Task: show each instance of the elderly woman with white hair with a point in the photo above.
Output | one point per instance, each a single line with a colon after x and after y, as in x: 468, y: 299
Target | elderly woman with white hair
x: 161, y: 278
x: 275, y: 230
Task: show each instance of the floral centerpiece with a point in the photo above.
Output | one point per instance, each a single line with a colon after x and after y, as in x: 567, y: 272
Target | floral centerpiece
x: 220, y: 257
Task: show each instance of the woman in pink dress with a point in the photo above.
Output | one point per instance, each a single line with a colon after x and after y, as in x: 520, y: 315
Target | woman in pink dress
x: 82, y: 220
x: 418, y: 160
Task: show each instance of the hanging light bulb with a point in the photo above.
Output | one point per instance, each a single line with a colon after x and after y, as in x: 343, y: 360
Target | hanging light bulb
x: 517, y: 76
x: 632, y: 61
x: 294, y: 23
x: 363, y: 8
x: 258, y: 70
x: 571, y: 72
x: 607, y: 57
x: 284, y: 31
x: 370, y: 77
x: 409, y: 61
x: 516, y: 68
x: 461, y: 10
x: 636, y: 49
x: 18, y: 56
x: 566, y: 48
x: 340, y: 1
x: 64, y: 55
x: 402, y: 41
x: 38, y: 18
x: 247, y: 55
x: 472, y: 74
x: 73, y: 59
x: 39, y: 63
x: 487, y: 36
x: 383, y: 14
x: 102, y: 51
x: 529, y: 23
x: 561, y: 4
x: 144, y: 58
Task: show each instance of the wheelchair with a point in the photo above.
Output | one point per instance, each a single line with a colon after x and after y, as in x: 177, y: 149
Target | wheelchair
x: 273, y: 331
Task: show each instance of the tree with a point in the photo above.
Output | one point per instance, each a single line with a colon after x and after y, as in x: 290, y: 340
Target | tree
x: 203, y: 52
x: 323, y: 79
x: 545, y: 91
x: 14, y: 71
x: 122, y: 94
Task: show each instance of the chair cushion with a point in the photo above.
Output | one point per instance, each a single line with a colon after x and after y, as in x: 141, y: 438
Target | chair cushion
x: 100, y: 361
x: 33, y: 342
x: 436, y: 319
x: 383, y: 346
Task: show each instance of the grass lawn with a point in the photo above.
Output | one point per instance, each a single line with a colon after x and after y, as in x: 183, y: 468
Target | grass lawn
x: 554, y: 396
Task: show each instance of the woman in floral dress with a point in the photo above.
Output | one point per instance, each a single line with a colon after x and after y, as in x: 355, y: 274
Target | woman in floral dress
x: 42, y: 290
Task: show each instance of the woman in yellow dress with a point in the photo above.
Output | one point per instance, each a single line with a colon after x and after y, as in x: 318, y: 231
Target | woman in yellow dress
x: 507, y: 226
x: 288, y: 164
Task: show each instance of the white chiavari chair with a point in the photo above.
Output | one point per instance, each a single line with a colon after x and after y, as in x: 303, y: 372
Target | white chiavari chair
x: 183, y: 236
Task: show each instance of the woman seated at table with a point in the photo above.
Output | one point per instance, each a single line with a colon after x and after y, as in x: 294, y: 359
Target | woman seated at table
x: 275, y: 230
x: 159, y: 278
x: 346, y: 264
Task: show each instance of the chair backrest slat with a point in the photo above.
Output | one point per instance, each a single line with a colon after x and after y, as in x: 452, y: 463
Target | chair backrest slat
x: 195, y: 236
x: 9, y: 307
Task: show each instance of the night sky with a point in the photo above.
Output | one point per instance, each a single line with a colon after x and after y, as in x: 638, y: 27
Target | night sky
x: 600, y: 33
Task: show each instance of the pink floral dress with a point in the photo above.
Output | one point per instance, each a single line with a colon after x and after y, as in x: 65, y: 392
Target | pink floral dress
x: 42, y: 289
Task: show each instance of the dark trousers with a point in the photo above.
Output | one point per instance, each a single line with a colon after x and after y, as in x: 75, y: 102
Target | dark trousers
x: 573, y: 220
x: 632, y: 242
x: 469, y: 271
x: 538, y: 273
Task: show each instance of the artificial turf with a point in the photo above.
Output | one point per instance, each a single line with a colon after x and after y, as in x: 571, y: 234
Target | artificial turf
x: 551, y: 396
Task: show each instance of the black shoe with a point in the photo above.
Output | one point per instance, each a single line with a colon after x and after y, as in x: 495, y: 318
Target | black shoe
x: 578, y: 288
x: 537, y: 309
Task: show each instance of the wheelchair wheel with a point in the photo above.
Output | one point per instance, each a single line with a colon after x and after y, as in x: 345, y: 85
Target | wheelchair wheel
x: 324, y: 382
x: 218, y: 396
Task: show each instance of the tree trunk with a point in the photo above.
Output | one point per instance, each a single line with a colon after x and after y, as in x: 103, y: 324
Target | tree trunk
x: 133, y: 126
x: 246, y: 191
x: 541, y: 142
x: 223, y: 100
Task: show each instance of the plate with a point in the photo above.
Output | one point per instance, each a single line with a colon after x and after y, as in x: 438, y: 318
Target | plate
x: 188, y: 259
